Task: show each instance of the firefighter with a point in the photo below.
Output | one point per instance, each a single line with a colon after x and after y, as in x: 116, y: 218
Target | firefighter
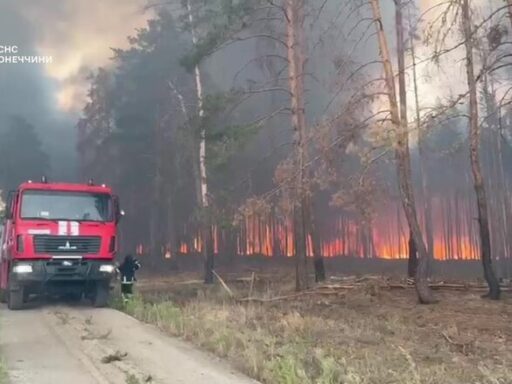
x: 127, y: 270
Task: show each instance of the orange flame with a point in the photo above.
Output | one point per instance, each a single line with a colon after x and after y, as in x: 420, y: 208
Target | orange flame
x: 386, y: 237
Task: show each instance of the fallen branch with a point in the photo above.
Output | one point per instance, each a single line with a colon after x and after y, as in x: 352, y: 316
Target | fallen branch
x: 339, y: 286
x: 224, y: 285
x: 116, y: 356
x: 252, y: 284
x: 460, y: 345
x: 153, y: 283
x: 277, y: 298
x: 435, y: 286
x: 286, y: 297
x: 187, y: 282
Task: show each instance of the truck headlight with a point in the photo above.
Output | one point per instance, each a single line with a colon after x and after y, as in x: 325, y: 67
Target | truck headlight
x: 22, y: 268
x: 107, y: 268
x: 20, y: 245
x: 112, y: 245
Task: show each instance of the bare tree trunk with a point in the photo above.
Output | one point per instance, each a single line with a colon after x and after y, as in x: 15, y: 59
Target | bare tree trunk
x: 402, y: 154
x: 206, y: 219
x: 425, y: 187
x: 318, y: 260
x: 412, y: 264
x: 509, y: 3
x: 495, y: 177
x: 192, y: 140
x: 474, y: 144
x: 172, y: 234
x: 294, y: 32
x: 155, y: 220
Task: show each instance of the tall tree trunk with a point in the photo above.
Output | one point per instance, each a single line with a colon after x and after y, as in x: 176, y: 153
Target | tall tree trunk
x: 204, y: 203
x: 294, y: 32
x: 412, y: 263
x: 191, y: 142
x: 474, y: 144
x: 509, y: 3
x: 496, y: 182
x: 155, y: 227
x: 172, y: 235
x: 318, y: 260
x: 425, y: 187
x: 402, y: 155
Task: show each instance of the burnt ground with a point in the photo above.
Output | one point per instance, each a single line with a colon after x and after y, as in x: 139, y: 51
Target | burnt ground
x: 358, y: 333
x: 454, y: 269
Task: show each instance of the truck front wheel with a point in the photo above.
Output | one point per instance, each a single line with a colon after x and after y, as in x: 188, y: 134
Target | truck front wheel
x: 16, y: 299
x: 101, y: 295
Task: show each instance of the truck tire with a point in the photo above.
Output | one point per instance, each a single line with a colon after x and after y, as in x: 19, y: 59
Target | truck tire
x: 101, y: 295
x: 3, y: 296
x: 16, y: 299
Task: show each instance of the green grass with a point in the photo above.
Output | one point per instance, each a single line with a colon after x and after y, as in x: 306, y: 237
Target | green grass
x: 253, y: 350
x: 131, y: 379
x: 210, y: 329
x: 3, y: 372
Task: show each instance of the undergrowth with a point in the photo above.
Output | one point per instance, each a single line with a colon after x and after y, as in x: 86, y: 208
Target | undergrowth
x: 257, y: 353
x: 3, y: 372
x: 358, y: 341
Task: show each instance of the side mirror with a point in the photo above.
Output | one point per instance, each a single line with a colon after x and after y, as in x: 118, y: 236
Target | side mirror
x: 9, y: 206
x: 118, y: 212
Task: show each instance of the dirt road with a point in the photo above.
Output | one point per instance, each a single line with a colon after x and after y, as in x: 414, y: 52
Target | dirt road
x: 57, y: 344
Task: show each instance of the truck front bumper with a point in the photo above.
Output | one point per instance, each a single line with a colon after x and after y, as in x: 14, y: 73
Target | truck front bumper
x: 40, y: 274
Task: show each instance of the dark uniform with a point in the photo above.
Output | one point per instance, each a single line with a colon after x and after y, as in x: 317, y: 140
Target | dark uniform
x: 127, y: 270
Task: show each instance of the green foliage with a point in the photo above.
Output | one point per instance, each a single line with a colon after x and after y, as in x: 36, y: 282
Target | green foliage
x: 286, y: 370
x: 132, y: 379
x: 135, y: 119
x: 217, y: 22
x: 224, y: 140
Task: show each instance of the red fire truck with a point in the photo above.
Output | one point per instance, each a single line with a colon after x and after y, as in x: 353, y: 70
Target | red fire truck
x: 58, y: 239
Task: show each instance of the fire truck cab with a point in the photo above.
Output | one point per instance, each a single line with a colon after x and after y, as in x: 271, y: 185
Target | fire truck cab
x: 58, y: 239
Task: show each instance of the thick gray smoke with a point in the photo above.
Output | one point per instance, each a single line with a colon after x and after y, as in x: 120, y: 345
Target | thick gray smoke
x: 28, y: 92
x: 78, y: 35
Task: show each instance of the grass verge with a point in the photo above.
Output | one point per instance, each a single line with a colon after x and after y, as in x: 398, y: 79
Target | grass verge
x: 3, y: 372
x: 363, y: 337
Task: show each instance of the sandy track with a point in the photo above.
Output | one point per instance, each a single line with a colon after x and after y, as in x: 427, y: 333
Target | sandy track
x: 57, y: 344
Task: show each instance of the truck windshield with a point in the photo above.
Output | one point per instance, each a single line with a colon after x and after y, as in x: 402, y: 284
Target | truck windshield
x: 57, y: 205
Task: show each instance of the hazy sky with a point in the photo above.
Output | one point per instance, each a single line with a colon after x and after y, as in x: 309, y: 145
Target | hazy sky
x: 78, y: 34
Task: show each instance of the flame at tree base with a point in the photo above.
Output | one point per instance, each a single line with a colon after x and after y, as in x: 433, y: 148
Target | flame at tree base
x: 384, y: 239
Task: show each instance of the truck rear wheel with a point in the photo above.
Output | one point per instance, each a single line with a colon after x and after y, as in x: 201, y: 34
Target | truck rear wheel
x: 101, y: 295
x: 16, y: 299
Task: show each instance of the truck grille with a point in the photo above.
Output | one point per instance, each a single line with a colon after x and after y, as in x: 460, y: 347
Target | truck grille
x: 67, y: 245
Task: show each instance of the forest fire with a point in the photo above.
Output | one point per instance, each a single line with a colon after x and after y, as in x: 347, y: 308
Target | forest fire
x: 388, y: 240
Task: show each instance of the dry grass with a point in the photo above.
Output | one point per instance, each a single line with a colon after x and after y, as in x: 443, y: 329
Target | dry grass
x: 364, y: 336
